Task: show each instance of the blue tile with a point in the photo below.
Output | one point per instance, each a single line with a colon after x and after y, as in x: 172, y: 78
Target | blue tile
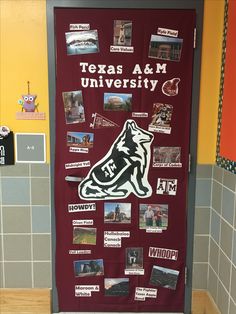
x: 41, y: 222
x: 203, y: 192
x: 215, y: 226
x: 228, y: 205
x: 15, y: 191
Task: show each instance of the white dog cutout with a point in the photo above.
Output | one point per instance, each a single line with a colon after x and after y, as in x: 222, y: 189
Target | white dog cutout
x: 123, y: 170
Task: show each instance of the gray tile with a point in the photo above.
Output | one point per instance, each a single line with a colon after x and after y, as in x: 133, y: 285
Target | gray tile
x: 204, y: 171
x: 40, y: 170
x: 234, y: 249
x: 228, y: 198
x: 1, y: 275
x: 218, y: 173
x: 18, y: 275
x: 1, y: 256
x: 16, y: 219
x: 200, y: 271
x: 41, y: 221
x: 214, y: 256
x: 224, y: 270
x: 226, y: 238
x: 0, y: 214
x: 216, y: 196
x: 223, y: 299
x: 41, y: 247
x: 232, y: 307
x: 203, y: 192
x: 212, y: 284
x: 40, y: 191
x: 233, y: 284
x: 17, y: 170
x: 200, y: 250
x: 42, y: 275
x: 202, y: 220
x: 229, y: 180
x: 15, y: 191
x: 215, y: 226
x: 17, y: 247
x: 235, y: 215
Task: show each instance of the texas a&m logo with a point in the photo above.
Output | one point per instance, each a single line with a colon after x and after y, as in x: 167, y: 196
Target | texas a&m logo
x: 166, y: 186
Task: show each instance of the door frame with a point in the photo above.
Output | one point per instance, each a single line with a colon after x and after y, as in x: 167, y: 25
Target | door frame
x: 140, y: 4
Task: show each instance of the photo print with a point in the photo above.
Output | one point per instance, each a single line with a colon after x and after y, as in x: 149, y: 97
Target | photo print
x: 161, y: 118
x: 165, y: 48
x: 117, y: 102
x: 167, y: 157
x: 89, y: 268
x: 116, y: 287
x: 164, y: 277
x: 82, y: 235
x: 80, y: 139
x: 134, y: 258
x: 117, y: 213
x: 122, y: 33
x: 153, y: 216
x: 82, y: 42
x: 74, y: 107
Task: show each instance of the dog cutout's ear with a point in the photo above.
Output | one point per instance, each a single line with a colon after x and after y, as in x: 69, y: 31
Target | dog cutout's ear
x: 128, y: 124
x: 131, y: 124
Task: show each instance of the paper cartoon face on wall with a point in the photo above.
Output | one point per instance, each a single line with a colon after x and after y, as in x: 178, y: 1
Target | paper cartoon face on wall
x: 28, y: 101
x: 123, y: 170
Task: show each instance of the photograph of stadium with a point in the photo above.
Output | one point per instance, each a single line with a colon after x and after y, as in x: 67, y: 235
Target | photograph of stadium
x: 164, y: 277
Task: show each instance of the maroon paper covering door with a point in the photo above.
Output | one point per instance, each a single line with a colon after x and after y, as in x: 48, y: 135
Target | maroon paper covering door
x: 152, y: 66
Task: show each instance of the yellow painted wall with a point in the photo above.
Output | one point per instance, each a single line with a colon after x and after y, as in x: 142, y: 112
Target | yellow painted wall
x: 24, y: 58
x: 210, y: 80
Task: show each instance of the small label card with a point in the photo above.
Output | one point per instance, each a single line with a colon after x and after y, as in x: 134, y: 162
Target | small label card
x: 86, y: 290
x: 142, y: 293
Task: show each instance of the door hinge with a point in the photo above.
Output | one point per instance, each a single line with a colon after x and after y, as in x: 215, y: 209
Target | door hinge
x: 189, y: 162
x: 185, y: 275
x: 194, y: 38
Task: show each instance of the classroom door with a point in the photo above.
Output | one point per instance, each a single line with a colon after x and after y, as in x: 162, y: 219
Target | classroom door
x: 123, y: 105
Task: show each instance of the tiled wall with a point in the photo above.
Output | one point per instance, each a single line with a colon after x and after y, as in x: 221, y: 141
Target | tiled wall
x: 215, y: 236
x: 202, y: 226
x: 25, y: 227
x: 25, y: 231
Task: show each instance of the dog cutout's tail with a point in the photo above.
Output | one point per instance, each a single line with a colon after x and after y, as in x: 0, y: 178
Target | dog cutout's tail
x: 88, y: 191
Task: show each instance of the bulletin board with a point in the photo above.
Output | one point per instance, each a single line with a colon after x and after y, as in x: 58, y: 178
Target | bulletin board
x: 122, y: 109
x: 226, y: 153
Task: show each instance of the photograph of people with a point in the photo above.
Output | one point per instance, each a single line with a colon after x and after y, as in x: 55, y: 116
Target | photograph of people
x: 117, y: 213
x: 149, y: 216
x: 134, y: 257
x: 153, y: 216
x: 158, y: 216
x: 73, y: 107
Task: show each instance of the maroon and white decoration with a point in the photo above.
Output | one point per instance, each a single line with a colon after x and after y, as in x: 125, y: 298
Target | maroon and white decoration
x: 123, y: 97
